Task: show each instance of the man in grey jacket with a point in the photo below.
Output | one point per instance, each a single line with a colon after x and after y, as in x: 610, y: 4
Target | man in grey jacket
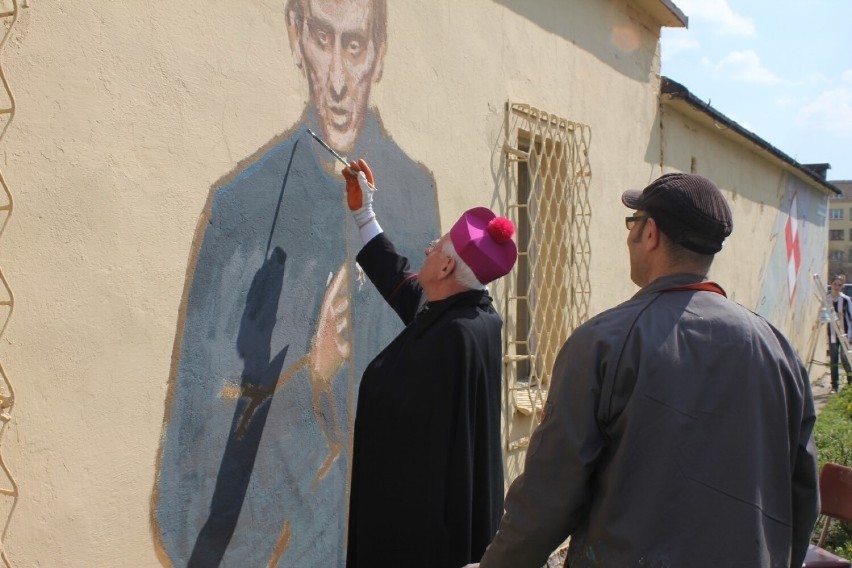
x: 678, y: 429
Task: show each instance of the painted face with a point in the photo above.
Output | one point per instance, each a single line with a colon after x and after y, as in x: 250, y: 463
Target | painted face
x: 341, y: 62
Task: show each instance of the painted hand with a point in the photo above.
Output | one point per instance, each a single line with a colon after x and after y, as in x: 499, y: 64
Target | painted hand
x: 331, y: 342
x: 359, y: 191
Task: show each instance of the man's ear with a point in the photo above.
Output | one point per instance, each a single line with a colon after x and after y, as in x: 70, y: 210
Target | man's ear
x: 294, y: 32
x: 653, y: 234
x: 448, y: 268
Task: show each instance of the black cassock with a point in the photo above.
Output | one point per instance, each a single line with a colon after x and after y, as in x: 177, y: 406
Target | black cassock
x: 427, y: 472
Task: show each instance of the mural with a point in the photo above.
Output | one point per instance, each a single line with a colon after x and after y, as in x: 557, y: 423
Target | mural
x: 277, y: 324
x: 799, y: 252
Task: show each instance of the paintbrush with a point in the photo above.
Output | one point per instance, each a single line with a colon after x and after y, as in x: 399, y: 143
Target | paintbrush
x: 327, y: 147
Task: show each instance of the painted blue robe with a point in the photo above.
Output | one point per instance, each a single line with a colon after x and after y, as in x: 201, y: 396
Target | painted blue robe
x: 244, y: 437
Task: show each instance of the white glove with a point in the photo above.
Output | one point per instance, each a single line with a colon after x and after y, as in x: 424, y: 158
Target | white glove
x: 365, y: 213
x: 359, y: 191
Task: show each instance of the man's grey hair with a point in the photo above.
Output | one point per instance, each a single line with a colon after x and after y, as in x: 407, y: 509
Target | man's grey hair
x: 464, y: 275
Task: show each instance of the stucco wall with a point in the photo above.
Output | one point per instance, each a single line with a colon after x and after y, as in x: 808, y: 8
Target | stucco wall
x: 133, y: 119
x: 769, y: 202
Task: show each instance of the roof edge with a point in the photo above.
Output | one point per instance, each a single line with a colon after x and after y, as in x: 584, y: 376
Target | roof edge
x: 675, y: 90
x: 676, y: 12
x: 664, y: 12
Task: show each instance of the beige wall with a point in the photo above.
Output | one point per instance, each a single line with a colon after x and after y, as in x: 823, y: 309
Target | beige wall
x: 126, y: 113
x: 753, y: 265
x: 129, y: 112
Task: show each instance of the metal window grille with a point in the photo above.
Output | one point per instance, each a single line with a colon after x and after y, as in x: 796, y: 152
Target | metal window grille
x: 547, y: 295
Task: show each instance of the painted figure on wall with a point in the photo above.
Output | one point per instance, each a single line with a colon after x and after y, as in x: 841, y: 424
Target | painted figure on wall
x: 277, y: 325
x: 799, y: 251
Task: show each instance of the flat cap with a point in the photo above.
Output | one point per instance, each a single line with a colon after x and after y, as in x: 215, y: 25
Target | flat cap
x: 689, y: 209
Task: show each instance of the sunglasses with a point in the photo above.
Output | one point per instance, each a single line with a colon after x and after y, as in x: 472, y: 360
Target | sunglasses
x: 629, y: 222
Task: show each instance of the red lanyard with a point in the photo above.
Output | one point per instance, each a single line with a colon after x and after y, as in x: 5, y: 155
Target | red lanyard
x: 705, y: 286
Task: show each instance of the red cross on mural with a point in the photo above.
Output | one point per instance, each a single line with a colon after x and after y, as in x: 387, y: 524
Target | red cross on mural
x: 794, y: 258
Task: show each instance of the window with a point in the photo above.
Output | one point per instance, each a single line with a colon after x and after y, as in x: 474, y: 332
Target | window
x: 836, y: 234
x: 837, y: 255
x: 850, y: 234
x: 850, y: 212
x: 547, y: 295
x: 836, y: 214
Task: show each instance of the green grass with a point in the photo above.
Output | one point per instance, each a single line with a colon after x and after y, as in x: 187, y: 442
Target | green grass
x: 833, y: 437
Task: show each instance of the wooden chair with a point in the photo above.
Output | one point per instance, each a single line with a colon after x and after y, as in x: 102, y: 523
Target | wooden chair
x: 835, y: 494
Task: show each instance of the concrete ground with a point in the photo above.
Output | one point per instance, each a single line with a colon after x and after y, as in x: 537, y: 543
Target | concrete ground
x: 821, y: 387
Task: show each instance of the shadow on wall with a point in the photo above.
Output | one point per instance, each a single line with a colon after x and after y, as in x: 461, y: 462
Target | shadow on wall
x: 259, y: 379
x: 570, y: 19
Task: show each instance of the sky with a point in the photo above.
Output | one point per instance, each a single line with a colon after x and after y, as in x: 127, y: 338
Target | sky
x: 779, y: 68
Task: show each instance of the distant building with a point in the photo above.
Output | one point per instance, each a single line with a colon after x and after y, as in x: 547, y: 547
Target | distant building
x: 840, y: 230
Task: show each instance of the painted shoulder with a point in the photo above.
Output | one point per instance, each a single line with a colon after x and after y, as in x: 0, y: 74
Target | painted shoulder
x: 262, y: 170
x: 382, y: 149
